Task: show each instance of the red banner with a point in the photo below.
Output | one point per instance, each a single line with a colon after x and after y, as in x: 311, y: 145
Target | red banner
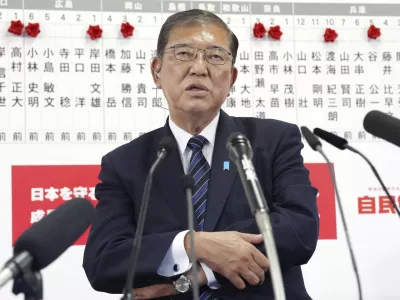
x: 320, y: 178
x: 38, y: 190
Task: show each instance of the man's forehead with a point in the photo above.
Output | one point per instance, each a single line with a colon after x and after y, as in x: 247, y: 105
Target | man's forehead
x: 206, y: 35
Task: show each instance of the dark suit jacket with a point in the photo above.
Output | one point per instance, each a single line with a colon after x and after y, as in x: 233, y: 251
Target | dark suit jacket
x: 281, y: 172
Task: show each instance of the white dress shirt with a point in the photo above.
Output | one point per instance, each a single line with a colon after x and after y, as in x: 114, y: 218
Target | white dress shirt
x: 176, y: 261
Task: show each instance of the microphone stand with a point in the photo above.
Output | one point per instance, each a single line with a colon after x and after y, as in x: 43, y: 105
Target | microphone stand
x: 195, y: 281
x: 128, y: 295
x: 376, y: 175
x: 26, y: 281
x: 353, y: 259
x: 265, y: 228
x: 247, y: 173
x: 30, y: 284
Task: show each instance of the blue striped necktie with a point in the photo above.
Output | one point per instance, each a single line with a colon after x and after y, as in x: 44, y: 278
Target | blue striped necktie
x: 199, y: 169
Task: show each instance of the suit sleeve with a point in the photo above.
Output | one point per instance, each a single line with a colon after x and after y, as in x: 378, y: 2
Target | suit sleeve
x: 293, y: 214
x: 110, y: 242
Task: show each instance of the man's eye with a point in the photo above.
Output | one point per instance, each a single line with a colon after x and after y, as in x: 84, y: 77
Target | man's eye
x: 216, y: 57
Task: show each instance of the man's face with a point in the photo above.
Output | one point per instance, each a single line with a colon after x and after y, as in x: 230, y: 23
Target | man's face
x: 195, y: 86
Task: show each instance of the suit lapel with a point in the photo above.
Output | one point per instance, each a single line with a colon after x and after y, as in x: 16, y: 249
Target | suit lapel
x: 220, y: 180
x: 167, y: 179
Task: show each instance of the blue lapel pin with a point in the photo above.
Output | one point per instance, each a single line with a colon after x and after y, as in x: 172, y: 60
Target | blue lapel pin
x: 226, y: 165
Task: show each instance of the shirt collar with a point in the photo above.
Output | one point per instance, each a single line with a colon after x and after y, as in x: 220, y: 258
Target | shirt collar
x: 183, y: 137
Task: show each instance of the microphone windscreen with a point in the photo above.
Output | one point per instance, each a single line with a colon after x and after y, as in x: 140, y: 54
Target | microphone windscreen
x: 238, y: 145
x: 47, y: 239
x: 188, y: 182
x: 331, y: 138
x: 168, y: 143
x: 236, y: 138
x: 311, y: 139
x: 383, y: 126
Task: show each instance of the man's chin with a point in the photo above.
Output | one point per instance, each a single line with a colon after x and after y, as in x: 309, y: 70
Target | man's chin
x: 198, y: 106
x: 198, y: 109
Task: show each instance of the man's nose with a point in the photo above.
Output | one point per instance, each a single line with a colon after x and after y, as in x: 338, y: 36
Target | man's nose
x: 199, y: 64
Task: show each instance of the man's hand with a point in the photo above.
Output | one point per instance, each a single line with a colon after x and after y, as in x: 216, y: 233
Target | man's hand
x: 231, y: 254
x: 167, y: 289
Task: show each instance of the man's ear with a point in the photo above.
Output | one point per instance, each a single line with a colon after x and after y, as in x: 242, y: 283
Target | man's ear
x: 233, y: 79
x: 155, y: 66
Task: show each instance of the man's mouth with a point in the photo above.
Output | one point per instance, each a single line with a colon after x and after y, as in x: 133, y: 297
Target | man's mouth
x: 196, y: 87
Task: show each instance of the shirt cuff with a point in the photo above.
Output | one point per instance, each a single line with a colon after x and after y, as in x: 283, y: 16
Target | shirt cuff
x: 176, y: 260
x: 212, y: 281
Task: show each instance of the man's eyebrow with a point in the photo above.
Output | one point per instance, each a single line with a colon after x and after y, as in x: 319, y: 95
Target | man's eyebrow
x: 215, y: 47
x: 209, y: 47
x: 182, y: 45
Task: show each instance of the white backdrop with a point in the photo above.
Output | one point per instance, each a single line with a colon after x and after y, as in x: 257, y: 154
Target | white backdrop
x: 329, y: 274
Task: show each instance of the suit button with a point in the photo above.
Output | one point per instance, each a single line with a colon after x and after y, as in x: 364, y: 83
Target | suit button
x: 176, y: 268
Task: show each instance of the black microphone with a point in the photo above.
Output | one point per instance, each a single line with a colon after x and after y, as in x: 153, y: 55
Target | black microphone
x: 188, y: 185
x: 383, y: 126
x: 167, y: 144
x: 331, y: 138
x: 312, y: 140
x: 45, y: 241
x: 342, y: 144
x: 241, y: 153
x: 316, y: 145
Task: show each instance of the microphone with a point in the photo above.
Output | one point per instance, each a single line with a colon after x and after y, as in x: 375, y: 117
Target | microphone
x: 188, y: 185
x: 164, y: 149
x: 383, y: 126
x: 312, y: 140
x: 316, y: 145
x: 241, y: 153
x: 342, y: 144
x: 331, y: 138
x: 44, y: 242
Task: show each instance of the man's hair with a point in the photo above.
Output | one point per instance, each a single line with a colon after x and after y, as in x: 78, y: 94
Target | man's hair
x: 194, y: 17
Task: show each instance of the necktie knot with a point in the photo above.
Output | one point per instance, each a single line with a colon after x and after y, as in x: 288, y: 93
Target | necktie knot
x: 197, y: 142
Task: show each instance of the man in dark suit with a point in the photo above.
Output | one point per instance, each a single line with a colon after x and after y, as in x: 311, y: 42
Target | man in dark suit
x: 194, y: 67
